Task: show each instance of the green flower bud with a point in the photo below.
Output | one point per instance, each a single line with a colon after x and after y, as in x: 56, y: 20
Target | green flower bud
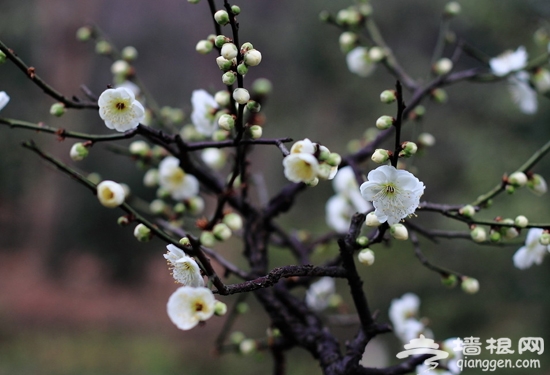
x: 57, y: 109
x: 220, y: 308
x: 220, y: 135
x: 517, y: 179
x: 235, y: 9
x: 377, y: 54
x: 541, y: 80
x: 426, y: 139
x: 229, y: 78
x: 207, y: 239
x: 195, y: 205
x: 537, y: 184
x: 478, y: 234
x: 242, y: 307
x: 233, y: 221
x: 380, y: 156
x: 452, y: 9
x: 439, y: 96
x: 226, y: 122
x: 185, y: 241
x: 247, y: 46
x: 366, y: 257
x: 467, y: 211
x: 262, y: 86
x: 237, y: 337
x: 362, y: 241
x: 510, y: 189
x: 129, y: 53
x: 3, y: 57
x: 123, y: 221
x: 241, y: 96
x: 247, y: 346
x: 157, y: 206
x: 229, y: 51
x: 140, y: 148
x: 242, y: 69
x: 255, y: 131
x: 222, y: 232
x: 223, y: 98
x: 544, y: 238
x: 253, y: 106
x: 334, y: 159
x: 142, y: 233
x: 103, y: 48
x: 221, y: 17
x: 365, y: 9
x: 151, y: 178
x: 223, y: 63
x: 509, y: 232
x: 442, y: 66
x: 252, y: 57
x: 84, y: 34
x: 399, y: 232
x: 384, y: 122
x: 204, y: 46
x: 470, y: 285
x: 179, y: 208
x: 521, y: 221
x: 409, y: 149
x: 220, y: 40
x: 78, y: 151
x: 449, y: 281
x: 388, y: 96
x: 494, y: 235
x: 347, y: 41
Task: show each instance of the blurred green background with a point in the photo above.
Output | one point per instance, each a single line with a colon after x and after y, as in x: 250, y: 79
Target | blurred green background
x: 78, y: 295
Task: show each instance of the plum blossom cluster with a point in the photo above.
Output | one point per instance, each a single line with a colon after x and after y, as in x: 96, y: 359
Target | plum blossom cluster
x: 308, y: 162
x: 535, y: 249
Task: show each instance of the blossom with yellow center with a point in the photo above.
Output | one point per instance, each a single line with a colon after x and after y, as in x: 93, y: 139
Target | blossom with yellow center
x: 188, y: 306
x: 110, y: 194
x: 301, y: 167
x: 184, y: 268
x: 395, y: 194
x: 120, y: 110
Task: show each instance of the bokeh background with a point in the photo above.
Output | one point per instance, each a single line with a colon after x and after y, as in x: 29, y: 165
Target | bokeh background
x: 78, y: 294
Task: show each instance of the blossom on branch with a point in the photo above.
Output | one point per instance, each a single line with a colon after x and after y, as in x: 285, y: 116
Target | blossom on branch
x: 120, y: 110
x: 533, y: 252
x: 179, y: 184
x: 204, y: 112
x: 359, y: 62
x: 110, y: 194
x: 184, y: 268
x: 188, y: 306
x: 508, y: 62
x: 4, y: 99
x: 308, y: 162
x: 522, y: 93
x: 395, y: 194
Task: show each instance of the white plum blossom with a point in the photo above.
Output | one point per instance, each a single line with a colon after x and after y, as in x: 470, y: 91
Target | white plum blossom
x: 188, y: 306
x: 319, y: 293
x: 404, y: 317
x: 304, y: 146
x: 359, y: 62
x: 203, y: 115
x: 184, y: 268
x: 110, y: 194
x: 533, y: 252
x: 120, y: 110
x: 179, y: 184
x: 522, y: 93
x: 395, y: 193
x: 301, y: 167
x: 508, y: 62
x: 339, y: 213
x: 4, y: 99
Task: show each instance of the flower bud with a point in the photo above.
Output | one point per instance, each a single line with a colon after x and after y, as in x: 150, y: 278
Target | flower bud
x: 442, y: 66
x: 362, y: 241
x: 262, y: 86
x: 185, y: 241
x: 399, y: 232
x: 521, y: 221
x: 140, y: 148
x: 313, y: 182
x: 366, y: 257
x: 220, y: 308
x: 517, y: 179
x: 470, y: 285
x: 151, y: 178
x: 57, y: 109
x: 207, y: 239
x: 222, y: 232
x: 78, y: 151
x: 195, y: 205
x: 229, y: 78
x: 544, y: 238
x: 388, y: 96
x: 255, y: 131
x: 409, y: 149
x: 253, y: 106
x: 157, y: 206
x: 221, y: 17
x: 377, y: 54
x: 372, y: 220
x: 247, y: 46
x: 347, y: 41
x: 223, y: 98
x: 452, y: 9
x: 179, y: 208
x: 242, y: 69
x: 129, y: 53
x: 142, y: 233
x: 220, y: 135
x: 123, y: 221
x: 204, y: 46
x: 478, y: 234
x: 83, y: 34
x: 333, y: 159
x: 439, y: 96
x: 237, y: 337
x: 426, y: 140
x: 494, y: 235
x: 241, y: 96
x: 242, y: 307
x: 235, y: 9
x: 380, y: 156
x: 103, y: 47
x: 3, y: 57
x: 509, y: 232
x: 220, y: 40
x: 365, y: 9
x: 510, y: 189
x: 541, y: 80
x: 467, y: 211
x: 110, y: 194
x: 229, y: 51
x: 252, y: 57
x: 233, y: 221
x: 226, y: 122
x: 449, y: 281
x: 537, y: 184
x: 384, y: 122
x: 213, y: 157
x: 223, y: 63
x: 247, y: 346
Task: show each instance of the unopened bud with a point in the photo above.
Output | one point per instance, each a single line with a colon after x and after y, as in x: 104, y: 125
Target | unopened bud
x: 204, y: 46
x: 222, y: 232
x: 467, y: 211
x: 229, y: 78
x: 426, y: 139
x: 247, y: 46
x: 241, y: 96
x: 509, y: 232
x: 195, y: 205
x: 129, y: 53
x: 517, y: 179
x: 449, y: 281
x: 151, y: 178
x: 409, y: 149
x: 521, y: 221
x: 221, y: 17
x: 84, y: 34
x: 142, y: 233
x: 366, y: 257
x: 399, y: 232
x: 103, y: 48
x: 384, y: 122
x: 223, y: 98
x: 347, y: 41
x: 255, y: 131
x: 537, y: 184
x: 220, y: 40
x: 123, y: 221
x: 57, y: 109
x: 470, y: 285
x: 229, y: 51
x: 494, y: 235
x: 253, y: 106
x: 377, y: 54
x: 372, y: 220
x: 233, y: 221
x: 443, y: 66
x: 362, y: 241
x: 334, y: 159
x: 262, y: 86
x: 388, y: 96
x: 223, y: 63
x: 242, y: 69
x: 220, y: 308
x: 478, y: 234
x: 439, y: 96
x: 235, y: 9
x: 247, y: 346
x: 140, y: 148
x: 544, y: 238
x: 252, y: 57
x: 185, y: 241
x: 452, y: 9
x: 380, y: 156
x: 207, y: 239
x: 78, y: 151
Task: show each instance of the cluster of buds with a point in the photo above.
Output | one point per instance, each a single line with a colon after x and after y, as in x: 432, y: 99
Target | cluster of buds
x: 534, y: 182
x: 222, y: 231
x: 352, y: 16
x: 308, y: 162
